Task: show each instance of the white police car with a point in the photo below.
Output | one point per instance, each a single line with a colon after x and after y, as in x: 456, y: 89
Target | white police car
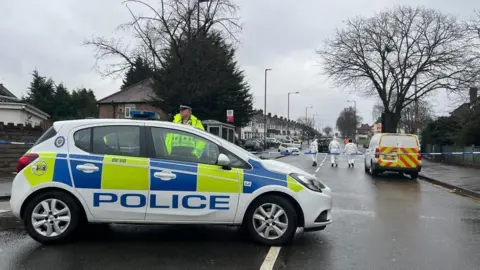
x: 127, y: 171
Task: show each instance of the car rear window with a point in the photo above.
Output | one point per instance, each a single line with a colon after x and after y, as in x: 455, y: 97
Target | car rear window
x: 50, y: 133
x: 399, y: 141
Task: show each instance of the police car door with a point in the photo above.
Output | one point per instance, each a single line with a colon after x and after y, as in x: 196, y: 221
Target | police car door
x: 110, y: 170
x: 186, y: 184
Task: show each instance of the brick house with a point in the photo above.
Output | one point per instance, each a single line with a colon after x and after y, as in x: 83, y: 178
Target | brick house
x: 463, y: 110
x: 139, y: 96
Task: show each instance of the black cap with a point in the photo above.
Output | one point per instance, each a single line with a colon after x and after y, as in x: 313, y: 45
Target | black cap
x: 183, y: 107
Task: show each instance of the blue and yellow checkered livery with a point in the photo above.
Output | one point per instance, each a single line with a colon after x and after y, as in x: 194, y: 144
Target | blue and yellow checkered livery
x: 133, y: 173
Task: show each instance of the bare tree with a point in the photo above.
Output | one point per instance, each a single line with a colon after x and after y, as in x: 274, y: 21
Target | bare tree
x: 327, y: 130
x: 168, y: 26
x: 474, y: 24
x: 400, y: 55
x: 346, y: 122
x: 408, y: 120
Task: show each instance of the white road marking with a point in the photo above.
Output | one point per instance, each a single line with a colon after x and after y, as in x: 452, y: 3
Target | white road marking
x: 270, y: 259
x: 321, y: 164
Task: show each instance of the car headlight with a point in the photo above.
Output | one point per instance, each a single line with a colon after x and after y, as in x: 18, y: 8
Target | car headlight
x: 309, y: 182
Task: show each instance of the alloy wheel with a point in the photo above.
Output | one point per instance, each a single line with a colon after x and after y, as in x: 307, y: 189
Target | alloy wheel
x: 51, y: 217
x: 270, y: 221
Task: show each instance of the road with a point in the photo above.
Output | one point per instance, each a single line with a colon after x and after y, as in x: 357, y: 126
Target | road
x: 387, y: 222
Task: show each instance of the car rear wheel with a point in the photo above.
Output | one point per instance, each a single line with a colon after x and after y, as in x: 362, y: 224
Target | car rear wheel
x: 52, y: 217
x: 271, y: 220
x: 365, y: 165
x: 373, y: 172
x: 414, y: 175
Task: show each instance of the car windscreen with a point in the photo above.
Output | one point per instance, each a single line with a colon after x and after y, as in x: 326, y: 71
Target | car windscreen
x: 399, y: 141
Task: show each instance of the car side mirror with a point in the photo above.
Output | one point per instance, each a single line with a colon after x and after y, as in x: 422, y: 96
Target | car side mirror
x: 223, y: 161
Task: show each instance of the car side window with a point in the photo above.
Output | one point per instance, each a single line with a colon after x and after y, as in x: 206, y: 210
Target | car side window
x: 116, y: 140
x: 83, y: 139
x: 183, y: 146
x: 236, y: 162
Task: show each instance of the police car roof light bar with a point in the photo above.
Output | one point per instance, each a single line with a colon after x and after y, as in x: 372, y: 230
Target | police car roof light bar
x: 144, y: 115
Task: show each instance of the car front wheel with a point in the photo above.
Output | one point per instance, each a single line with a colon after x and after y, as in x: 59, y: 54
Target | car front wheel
x: 52, y: 217
x: 271, y: 220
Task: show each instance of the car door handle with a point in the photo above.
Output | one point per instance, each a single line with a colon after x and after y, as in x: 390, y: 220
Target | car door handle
x: 87, y: 168
x: 165, y: 175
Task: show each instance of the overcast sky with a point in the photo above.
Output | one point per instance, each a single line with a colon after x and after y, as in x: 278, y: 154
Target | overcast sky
x: 278, y: 34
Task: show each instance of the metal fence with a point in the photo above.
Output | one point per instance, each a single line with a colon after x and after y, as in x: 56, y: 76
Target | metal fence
x: 459, y: 155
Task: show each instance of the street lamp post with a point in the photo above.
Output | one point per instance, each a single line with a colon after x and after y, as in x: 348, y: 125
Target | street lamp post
x: 288, y: 109
x: 354, y: 118
x: 265, y: 112
x: 306, y: 118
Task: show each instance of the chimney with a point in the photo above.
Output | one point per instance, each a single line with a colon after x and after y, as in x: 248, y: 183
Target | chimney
x: 473, y: 95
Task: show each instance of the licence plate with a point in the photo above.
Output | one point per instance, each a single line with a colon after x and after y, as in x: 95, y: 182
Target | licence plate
x: 389, y: 157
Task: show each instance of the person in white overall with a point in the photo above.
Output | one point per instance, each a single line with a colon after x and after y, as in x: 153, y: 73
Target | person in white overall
x: 350, y: 149
x: 314, y: 151
x: 334, y: 149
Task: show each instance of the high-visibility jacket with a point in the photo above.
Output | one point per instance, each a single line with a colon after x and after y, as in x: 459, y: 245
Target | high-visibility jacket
x: 176, y: 140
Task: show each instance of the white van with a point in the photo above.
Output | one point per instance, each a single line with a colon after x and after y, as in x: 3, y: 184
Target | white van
x: 393, y: 152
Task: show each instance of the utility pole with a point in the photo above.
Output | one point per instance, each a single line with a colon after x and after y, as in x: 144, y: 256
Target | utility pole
x: 198, y: 12
x: 265, y: 113
x: 416, y: 108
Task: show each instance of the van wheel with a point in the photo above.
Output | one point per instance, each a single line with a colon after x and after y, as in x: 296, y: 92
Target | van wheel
x: 366, y: 168
x: 271, y: 220
x: 414, y: 175
x: 373, y: 172
x: 52, y: 217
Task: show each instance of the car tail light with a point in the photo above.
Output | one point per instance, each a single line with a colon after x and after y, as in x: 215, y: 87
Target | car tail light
x: 419, y: 156
x: 377, y: 153
x: 25, y: 160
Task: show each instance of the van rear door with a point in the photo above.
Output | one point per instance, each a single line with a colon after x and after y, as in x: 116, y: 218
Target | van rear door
x: 399, y: 151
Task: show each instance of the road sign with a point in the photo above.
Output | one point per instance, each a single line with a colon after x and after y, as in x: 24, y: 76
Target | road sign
x: 230, y: 116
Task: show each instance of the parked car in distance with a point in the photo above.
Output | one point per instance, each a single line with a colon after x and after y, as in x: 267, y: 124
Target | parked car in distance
x: 253, y: 145
x: 393, y: 152
x: 288, y: 148
x: 273, y: 142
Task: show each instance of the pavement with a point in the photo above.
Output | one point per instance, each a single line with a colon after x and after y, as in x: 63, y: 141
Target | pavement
x: 384, y: 222
x: 463, y: 180
x: 6, y: 185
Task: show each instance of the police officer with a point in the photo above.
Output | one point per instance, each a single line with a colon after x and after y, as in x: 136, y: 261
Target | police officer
x: 185, y: 144
x: 186, y: 117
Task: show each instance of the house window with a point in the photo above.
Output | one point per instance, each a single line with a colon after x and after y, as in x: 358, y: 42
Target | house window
x: 128, y: 109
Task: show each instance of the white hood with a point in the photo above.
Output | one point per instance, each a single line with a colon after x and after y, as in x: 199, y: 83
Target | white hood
x: 281, y: 167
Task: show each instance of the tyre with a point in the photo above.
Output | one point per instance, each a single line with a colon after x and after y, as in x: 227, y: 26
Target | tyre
x: 271, y: 220
x: 414, y: 175
x: 365, y: 166
x: 52, y: 217
x: 373, y: 172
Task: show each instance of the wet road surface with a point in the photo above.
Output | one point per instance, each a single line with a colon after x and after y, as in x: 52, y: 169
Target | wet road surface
x: 387, y: 222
